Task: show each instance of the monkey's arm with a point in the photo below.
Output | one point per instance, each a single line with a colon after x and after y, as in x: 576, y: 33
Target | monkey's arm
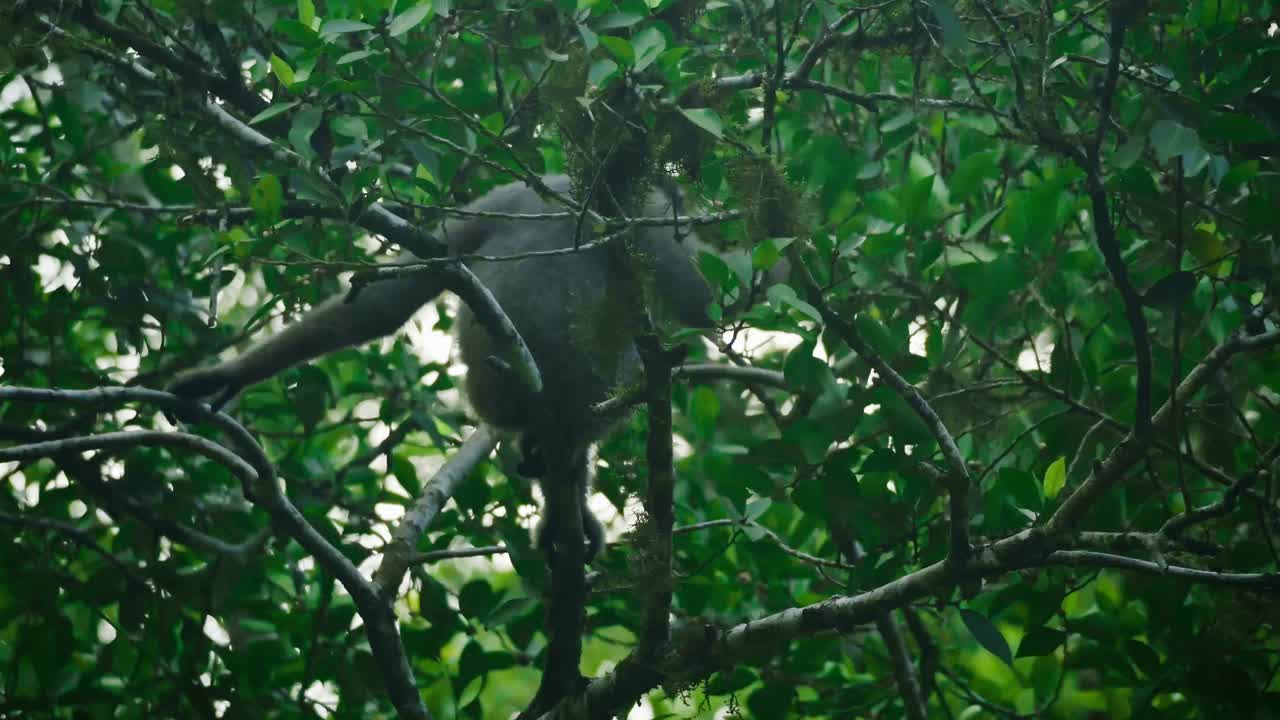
x: 684, y: 292
x: 380, y: 308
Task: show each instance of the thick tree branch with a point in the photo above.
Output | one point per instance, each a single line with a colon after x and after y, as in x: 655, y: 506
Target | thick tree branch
x: 250, y: 463
x: 1028, y: 548
x: 959, y: 481
x: 1133, y: 447
x: 136, y: 438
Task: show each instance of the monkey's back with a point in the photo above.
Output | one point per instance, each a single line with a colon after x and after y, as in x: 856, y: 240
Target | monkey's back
x: 561, y: 306
x: 571, y: 309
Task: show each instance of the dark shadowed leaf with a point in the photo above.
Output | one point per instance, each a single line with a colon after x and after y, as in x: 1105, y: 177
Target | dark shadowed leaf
x: 987, y: 635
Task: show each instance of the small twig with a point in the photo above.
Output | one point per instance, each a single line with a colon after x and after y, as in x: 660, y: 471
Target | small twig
x: 398, y: 554
x: 80, y: 537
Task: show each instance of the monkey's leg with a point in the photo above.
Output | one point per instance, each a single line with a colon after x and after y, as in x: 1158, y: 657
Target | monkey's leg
x: 531, y: 462
x: 378, y: 309
x: 562, y: 540
x: 545, y: 536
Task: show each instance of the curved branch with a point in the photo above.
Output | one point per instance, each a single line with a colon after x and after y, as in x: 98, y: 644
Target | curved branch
x: 82, y: 538
x: 960, y: 481
x: 1133, y: 447
x: 1093, y: 559
x: 134, y: 438
x: 250, y: 462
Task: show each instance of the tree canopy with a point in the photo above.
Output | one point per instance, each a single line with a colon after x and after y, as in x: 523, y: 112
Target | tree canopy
x: 1003, y: 445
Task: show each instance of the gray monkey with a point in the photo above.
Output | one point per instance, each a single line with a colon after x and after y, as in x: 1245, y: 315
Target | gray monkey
x: 562, y: 305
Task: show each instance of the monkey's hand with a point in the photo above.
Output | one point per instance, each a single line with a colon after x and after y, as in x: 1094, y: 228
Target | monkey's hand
x: 219, y: 380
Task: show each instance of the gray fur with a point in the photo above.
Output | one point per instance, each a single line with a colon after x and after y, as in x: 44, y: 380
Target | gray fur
x: 565, y: 307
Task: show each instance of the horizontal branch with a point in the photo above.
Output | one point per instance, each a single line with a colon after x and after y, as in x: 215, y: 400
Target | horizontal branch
x: 621, y: 403
x: 1089, y: 558
x: 723, y: 648
x: 733, y: 373
x: 713, y: 218
x: 129, y: 439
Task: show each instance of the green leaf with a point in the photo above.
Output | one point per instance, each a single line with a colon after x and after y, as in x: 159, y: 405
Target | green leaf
x: 953, y: 35
x: 305, y: 123
x: 987, y: 635
x: 619, y: 48
x: 1041, y: 641
x: 406, y: 474
x: 349, y: 126
x: 292, y: 32
x: 1129, y: 153
x: 355, y: 55
x: 801, y: 369
x: 310, y: 395
x: 755, y: 508
x: 273, y: 110
x: 898, y: 122
x: 338, y: 27
x: 476, y: 599
x: 306, y: 12
x: 729, y: 680
x: 282, y: 70
x: 768, y: 252
x: 968, y: 253
x: 981, y: 224
x: 1045, y: 674
x: 914, y: 198
x: 1033, y: 215
x: 705, y: 118
x: 229, y: 241
x: 408, y: 20
x: 1208, y: 248
x: 886, y: 205
x: 267, y: 198
x: 590, y: 40
x: 1055, y: 478
x: 649, y: 44
x: 772, y: 700
x: 1171, y: 290
x: 619, y: 20
x: 714, y: 269
x: 1171, y: 139
x: 967, y: 179
x: 601, y: 70
x: 1194, y: 160
x: 1145, y: 658
x: 785, y: 296
x: 706, y: 405
x: 510, y: 610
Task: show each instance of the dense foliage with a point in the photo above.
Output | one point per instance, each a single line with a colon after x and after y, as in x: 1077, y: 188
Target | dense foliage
x: 1021, y: 225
